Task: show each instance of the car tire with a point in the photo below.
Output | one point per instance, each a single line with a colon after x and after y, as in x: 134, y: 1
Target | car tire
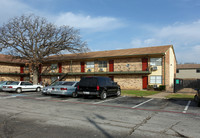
x: 103, y: 95
x: 38, y: 89
x: 118, y: 92
x: 74, y: 94
x: 18, y: 90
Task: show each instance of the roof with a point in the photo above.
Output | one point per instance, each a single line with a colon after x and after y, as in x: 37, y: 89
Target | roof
x: 157, y: 50
x: 10, y: 59
x: 188, y: 66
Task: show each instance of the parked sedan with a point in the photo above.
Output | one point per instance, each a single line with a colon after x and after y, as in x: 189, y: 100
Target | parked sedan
x: 4, y: 83
x: 47, y: 90
x: 21, y: 86
x: 67, y: 88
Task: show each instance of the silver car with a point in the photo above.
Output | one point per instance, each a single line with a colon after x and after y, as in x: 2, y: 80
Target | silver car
x: 2, y: 83
x: 20, y: 86
x: 66, y: 88
x: 47, y: 90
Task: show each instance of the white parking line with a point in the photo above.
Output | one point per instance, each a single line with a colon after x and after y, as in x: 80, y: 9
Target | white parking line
x: 8, y: 97
x: 142, y: 103
x: 108, y: 100
x: 186, y: 107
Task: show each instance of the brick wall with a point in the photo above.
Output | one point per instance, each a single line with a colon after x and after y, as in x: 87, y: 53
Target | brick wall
x: 9, y: 68
x: 9, y: 78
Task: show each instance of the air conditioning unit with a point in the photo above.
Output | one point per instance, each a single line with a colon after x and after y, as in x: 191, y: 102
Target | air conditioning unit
x: 154, y: 68
x: 101, y: 70
x: 89, y: 70
x: 155, y: 86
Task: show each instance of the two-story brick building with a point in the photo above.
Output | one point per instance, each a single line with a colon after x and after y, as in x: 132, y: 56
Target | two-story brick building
x: 134, y: 68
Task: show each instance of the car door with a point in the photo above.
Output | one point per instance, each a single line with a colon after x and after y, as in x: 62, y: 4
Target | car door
x: 110, y: 87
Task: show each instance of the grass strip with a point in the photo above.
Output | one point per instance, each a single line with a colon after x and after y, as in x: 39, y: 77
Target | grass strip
x: 181, y: 96
x: 138, y: 93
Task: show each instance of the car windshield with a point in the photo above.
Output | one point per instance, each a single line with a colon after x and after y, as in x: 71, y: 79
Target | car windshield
x: 68, y: 83
x: 14, y: 83
x: 57, y: 83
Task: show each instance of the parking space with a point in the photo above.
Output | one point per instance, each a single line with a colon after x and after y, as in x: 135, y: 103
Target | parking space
x: 137, y: 103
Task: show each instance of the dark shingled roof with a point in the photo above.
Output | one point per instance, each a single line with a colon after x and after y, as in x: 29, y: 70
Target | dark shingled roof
x: 188, y: 66
x: 114, y: 53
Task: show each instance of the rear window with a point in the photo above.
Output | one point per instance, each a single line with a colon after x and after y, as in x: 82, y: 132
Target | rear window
x: 68, y: 83
x: 57, y: 83
x: 88, y: 81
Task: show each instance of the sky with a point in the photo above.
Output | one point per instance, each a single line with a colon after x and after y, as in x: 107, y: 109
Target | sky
x: 121, y: 24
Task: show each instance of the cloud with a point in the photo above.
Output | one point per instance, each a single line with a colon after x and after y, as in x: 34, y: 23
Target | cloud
x: 184, y: 36
x: 82, y: 21
x: 10, y: 8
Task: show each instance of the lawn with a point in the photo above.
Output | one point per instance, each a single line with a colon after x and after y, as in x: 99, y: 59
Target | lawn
x: 138, y: 93
x: 181, y: 96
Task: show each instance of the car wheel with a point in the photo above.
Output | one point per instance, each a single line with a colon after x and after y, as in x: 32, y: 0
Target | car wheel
x: 74, y: 94
x: 118, y: 92
x: 38, y: 89
x: 103, y: 95
x: 18, y: 90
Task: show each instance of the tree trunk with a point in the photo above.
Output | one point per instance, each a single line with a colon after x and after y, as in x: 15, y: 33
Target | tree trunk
x: 35, y: 75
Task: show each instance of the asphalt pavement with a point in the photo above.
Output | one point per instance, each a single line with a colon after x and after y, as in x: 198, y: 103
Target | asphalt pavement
x: 31, y: 114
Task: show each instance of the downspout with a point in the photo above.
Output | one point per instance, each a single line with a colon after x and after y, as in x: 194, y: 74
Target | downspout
x: 164, y: 68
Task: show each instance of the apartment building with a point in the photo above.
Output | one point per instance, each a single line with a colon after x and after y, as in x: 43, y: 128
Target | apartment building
x: 134, y: 68
x: 188, y: 71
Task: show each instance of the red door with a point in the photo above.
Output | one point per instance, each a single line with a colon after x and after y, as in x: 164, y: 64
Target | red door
x: 60, y: 67
x: 144, y: 81
x: 144, y: 64
x: 21, y: 69
x: 111, y: 65
x: 21, y: 78
x: 82, y: 66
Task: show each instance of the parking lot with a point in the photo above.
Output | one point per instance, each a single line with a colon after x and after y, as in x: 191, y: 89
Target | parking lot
x: 113, y: 117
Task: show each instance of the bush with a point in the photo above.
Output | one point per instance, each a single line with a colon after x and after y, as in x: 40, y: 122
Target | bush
x: 150, y: 87
x: 161, y: 88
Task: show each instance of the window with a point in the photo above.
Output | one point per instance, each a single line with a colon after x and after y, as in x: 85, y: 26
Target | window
x: 198, y: 71
x: 177, y: 70
x: 102, y: 64
x: 156, y: 79
x: 156, y: 61
x: 54, y: 66
x: 90, y: 64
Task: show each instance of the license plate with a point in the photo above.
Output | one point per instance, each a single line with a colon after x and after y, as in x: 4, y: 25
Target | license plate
x: 86, y: 92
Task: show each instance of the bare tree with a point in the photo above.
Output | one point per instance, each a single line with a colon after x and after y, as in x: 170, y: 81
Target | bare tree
x: 32, y: 38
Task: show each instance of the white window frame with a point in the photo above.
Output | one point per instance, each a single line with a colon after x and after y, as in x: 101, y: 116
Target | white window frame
x: 156, y: 61
x: 156, y: 79
x: 90, y: 64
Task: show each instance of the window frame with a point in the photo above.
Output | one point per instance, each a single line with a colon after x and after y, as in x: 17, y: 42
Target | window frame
x: 156, y: 61
x: 88, y: 65
x: 156, y: 80
x: 102, y: 64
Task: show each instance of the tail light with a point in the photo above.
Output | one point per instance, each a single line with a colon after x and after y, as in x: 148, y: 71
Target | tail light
x: 78, y: 87
x: 97, y: 87
x: 52, y: 88
x: 63, y: 89
x: 10, y: 87
x: 4, y: 86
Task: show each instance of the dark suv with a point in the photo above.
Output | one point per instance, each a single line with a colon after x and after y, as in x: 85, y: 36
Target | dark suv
x: 98, y: 86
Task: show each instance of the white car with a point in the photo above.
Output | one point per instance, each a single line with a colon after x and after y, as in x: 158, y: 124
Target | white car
x: 21, y: 86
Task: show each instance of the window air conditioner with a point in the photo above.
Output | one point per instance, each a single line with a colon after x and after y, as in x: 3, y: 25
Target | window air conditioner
x: 154, y: 68
x: 101, y: 69
x: 89, y: 70
x: 155, y: 86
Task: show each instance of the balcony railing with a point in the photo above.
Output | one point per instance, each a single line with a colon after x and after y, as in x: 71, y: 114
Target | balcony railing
x: 117, y: 69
